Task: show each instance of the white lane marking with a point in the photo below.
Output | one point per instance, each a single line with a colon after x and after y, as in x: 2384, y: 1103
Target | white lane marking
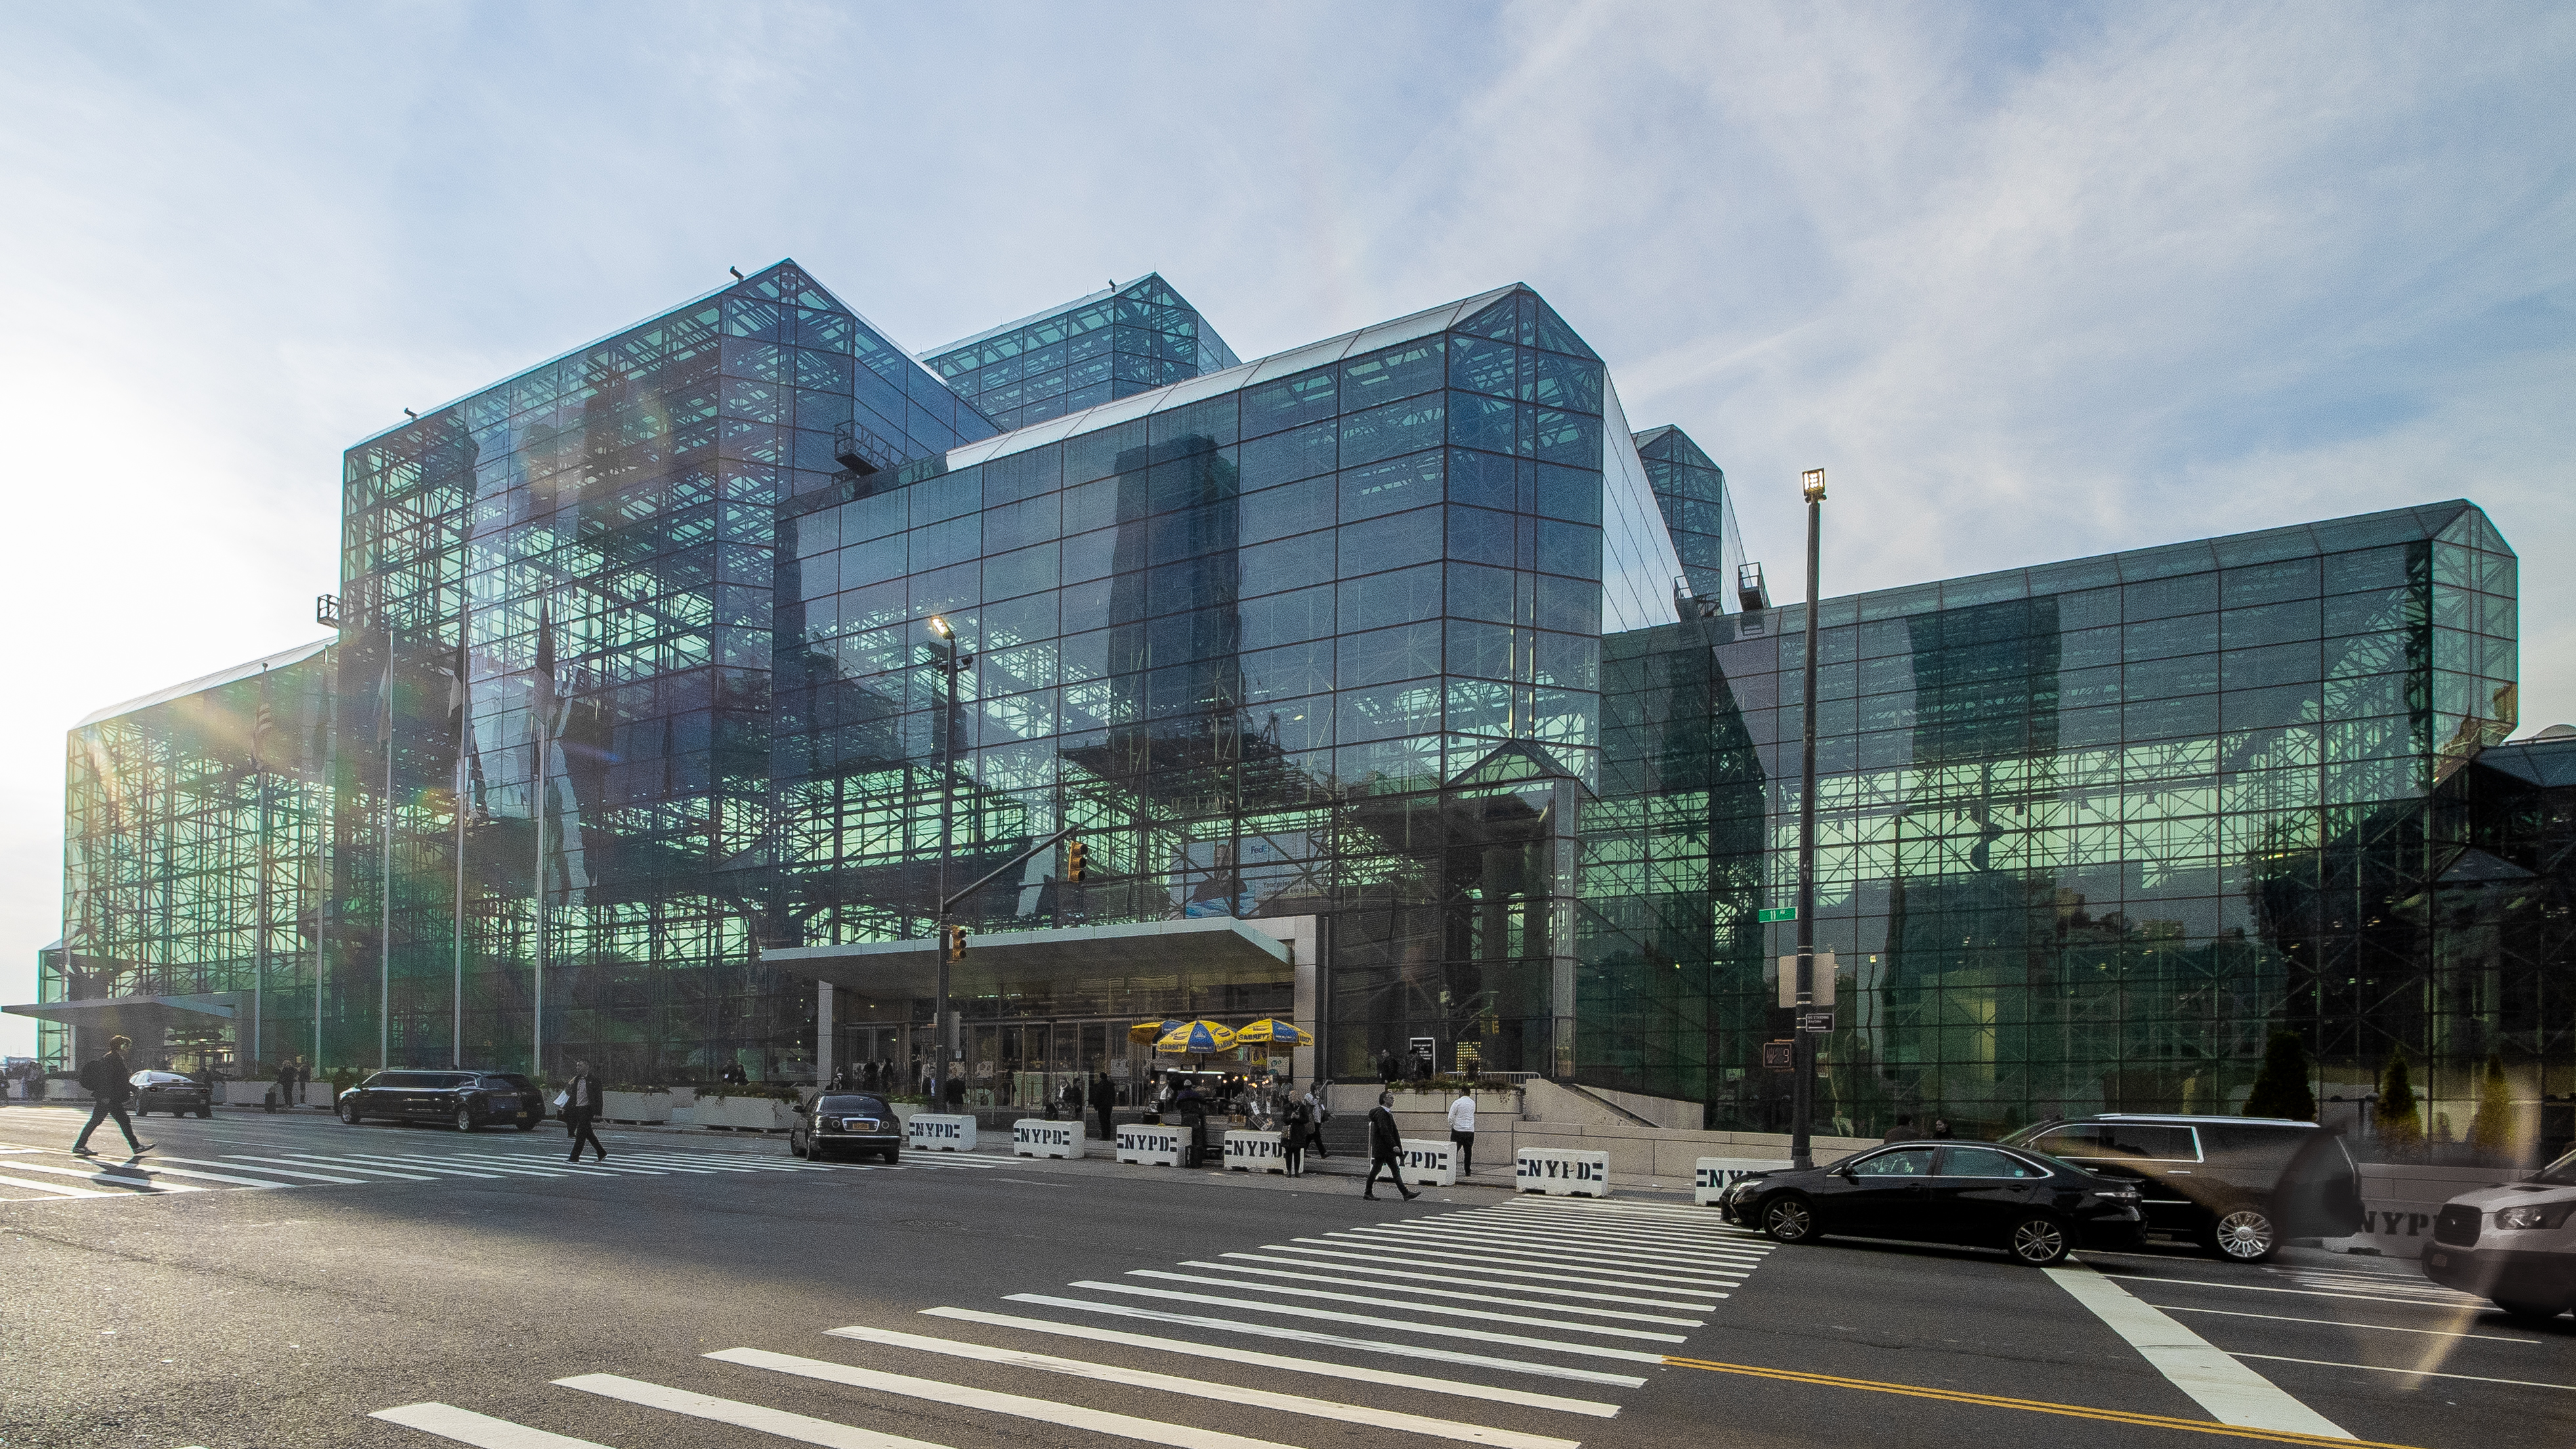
x: 2231, y: 1392
x: 327, y: 1162
x: 993, y: 1401
x: 2417, y: 1373
x: 1433, y: 1292
x: 481, y: 1430
x: 1337, y: 1340
x: 1326, y: 1315
x: 272, y: 1171
x: 1475, y: 1253
x: 161, y: 1165
x: 2346, y: 1323
x: 60, y: 1189
x: 1201, y: 1389
x: 799, y: 1427
x: 354, y: 1160
x: 108, y: 1176
x: 1553, y: 1245
x: 1591, y: 1287
x: 1254, y: 1358
x: 2126, y: 1278
x: 1486, y: 1315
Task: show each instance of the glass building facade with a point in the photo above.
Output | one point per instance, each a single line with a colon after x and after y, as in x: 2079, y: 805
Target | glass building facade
x: 1404, y: 631
x: 1111, y: 344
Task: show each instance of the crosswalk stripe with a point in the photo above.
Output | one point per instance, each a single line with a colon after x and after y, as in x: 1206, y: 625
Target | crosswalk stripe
x: 1326, y: 1315
x: 410, y: 1164
x: 1631, y: 1277
x: 1591, y: 1286
x: 1575, y: 1228
x: 799, y: 1427
x: 1678, y: 1219
x: 1255, y: 1358
x: 161, y: 1165
x: 327, y: 1162
x: 1201, y: 1389
x: 1571, y: 1248
x: 565, y: 1167
x: 1337, y: 1340
x: 683, y: 1164
x: 1606, y: 1241
x: 101, y: 1174
x: 481, y: 1430
x: 60, y: 1189
x: 272, y: 1171
x: 1485, y: 1315
x: 1436, y: 1292
x: 993, y: 1401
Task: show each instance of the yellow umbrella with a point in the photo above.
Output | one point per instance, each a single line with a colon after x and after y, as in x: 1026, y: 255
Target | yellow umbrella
x: 1271, y: 1031
x: 1201, y: 1037
x: 1153, y: 1030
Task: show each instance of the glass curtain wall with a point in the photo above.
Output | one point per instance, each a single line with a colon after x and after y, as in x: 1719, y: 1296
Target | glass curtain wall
x: 1111, y: 344
x: 1691, y: 491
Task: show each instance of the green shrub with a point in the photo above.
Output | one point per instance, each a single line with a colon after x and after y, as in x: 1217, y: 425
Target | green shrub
x: 2401, y: 1120
x: 2281, y: 1089
x: 2491, y: 1129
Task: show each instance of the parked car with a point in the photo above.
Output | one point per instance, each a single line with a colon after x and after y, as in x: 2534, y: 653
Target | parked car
x: 466, y: 1100
x: 2239, y: 1187
x: 1979, y: 1194
x: 839, y: 1122
x: 172, y: 1093
x: 2513, y: 1244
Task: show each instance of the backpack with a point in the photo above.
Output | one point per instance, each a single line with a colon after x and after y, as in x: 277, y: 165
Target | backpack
x: 95, y: 1075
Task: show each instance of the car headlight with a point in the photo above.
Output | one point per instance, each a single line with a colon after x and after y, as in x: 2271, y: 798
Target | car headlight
x: 2534, y: 1215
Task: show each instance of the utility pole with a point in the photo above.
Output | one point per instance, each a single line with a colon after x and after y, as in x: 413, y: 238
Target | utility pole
x: 952, y: 666
x: 1802, y: 1051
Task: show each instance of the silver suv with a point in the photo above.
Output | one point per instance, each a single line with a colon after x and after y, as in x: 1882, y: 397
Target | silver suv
x: 2513, y: 1245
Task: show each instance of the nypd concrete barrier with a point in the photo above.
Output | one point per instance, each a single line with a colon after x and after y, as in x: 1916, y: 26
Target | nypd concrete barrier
x: 1712, y: 1176
x: 1256, y: 1152
x: 1561, y: 1172
x: 930, y: 1132
x: 1429, y: 1164
x: 1038, y: 1137
x: 1153, y: 1146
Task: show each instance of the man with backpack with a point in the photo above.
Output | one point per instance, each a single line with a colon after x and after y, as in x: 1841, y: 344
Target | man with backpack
x: 108, y: 1081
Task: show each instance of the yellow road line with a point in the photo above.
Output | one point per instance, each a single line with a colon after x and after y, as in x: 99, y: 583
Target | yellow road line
x: 2036, y: 1406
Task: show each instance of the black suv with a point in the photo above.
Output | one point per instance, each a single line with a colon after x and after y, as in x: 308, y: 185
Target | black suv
x: 466, y: 1100
x: 2237, y: 1186
x: 171, y: 1092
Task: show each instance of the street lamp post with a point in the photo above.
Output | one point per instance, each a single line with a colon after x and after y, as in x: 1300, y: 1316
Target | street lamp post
x: 1802, y: 1053
x: 954, y: 664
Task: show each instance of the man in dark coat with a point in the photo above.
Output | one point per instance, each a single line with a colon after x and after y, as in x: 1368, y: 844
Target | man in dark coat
x: 1104, y: 1103
x: 582, y: 1102
x: 109, y: 1081
x: 1387, y: 1070
x: 1386, y: 1149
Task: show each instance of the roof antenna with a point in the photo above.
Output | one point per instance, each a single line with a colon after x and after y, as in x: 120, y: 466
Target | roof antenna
x: 415, y: 417
x: 737, y: 272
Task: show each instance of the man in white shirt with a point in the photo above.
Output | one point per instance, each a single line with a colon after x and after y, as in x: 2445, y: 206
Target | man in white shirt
x: 1462, y: 1129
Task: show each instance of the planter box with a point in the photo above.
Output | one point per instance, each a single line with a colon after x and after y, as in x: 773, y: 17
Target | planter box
x: 1712, y: 1176
x: 1151, y: 1146
x: 939, y: 1132
x: 1256, y: 1152
x: 1038, y: 1137
x: 1558, y: 1172
x: 1428, y: 1164
x: 635, y: 1106
x: 744, y: 1114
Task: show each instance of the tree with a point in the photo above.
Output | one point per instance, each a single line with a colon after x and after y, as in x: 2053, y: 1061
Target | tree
x: 2401, y: 1122
x: 2281, y: 1088
x: 2491, y: 1130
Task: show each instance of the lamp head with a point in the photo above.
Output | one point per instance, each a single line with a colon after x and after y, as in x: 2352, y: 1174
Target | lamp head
x: 1812, y: 483
x: 939, y: 626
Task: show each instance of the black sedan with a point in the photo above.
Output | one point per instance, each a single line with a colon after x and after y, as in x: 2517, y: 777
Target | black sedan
x: 172, y: 1093
x: 464, y: 1100
x: 2032, y: 1206
x: 839, y: 1122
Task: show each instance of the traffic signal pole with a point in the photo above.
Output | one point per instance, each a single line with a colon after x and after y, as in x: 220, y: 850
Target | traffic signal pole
x: 1802, y: 1051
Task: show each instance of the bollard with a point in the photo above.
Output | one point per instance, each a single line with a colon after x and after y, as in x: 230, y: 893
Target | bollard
x: 1561, y: 1172
x: 1038, y: 1137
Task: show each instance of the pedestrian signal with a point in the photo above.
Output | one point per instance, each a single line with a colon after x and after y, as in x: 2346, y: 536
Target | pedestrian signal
x: 1077, y: 859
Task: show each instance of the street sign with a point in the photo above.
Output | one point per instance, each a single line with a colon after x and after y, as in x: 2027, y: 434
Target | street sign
x: 1821, y: 984
x: 1769, y: 914
x: 1817, y: 1021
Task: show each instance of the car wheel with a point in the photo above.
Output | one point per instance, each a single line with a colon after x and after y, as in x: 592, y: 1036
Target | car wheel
x: 2529, y: 1312
x: 2244, y: 1235
x: 349, y: 1113
x: 892, y: 1155
x: 1790, y: 1219
x: 205, y: 1112
x: 527, y: 1126
x: 2038, y: 1240
x: 464, y: 1119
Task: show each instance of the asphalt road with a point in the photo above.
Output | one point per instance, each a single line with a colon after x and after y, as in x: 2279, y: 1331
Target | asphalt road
x: 316, y: 1284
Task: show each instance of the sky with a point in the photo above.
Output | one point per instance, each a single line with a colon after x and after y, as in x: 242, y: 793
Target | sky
x: 2029, y: 282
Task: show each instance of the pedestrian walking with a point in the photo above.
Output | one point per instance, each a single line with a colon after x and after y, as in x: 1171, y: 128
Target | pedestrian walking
x: 109, y: 1081
x: 286, y: 1081
x: 1317, y: 1114
x: 1295, y: 1119
x: 1462, y: 1129
x: 1903, y: 1131
x: 581, y: 1104
x: 303, y: 1081
x: 1386, y: 1149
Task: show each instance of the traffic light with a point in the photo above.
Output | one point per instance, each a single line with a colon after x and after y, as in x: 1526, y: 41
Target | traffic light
x: 953, y: 942
x: 1077, y: 859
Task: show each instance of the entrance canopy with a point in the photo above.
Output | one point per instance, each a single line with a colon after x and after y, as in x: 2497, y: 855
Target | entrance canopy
x: 140, y: 1017
x: 1215, y: 951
